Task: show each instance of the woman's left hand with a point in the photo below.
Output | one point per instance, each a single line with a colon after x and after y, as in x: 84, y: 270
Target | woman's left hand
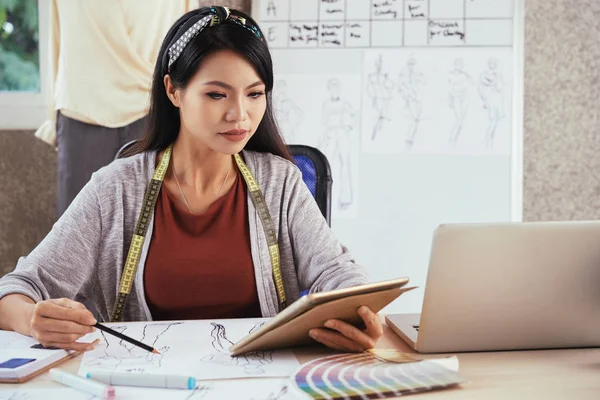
x: 345, y: 337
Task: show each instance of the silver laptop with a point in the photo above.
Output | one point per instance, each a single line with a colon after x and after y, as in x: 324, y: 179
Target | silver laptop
x: 508, y: 286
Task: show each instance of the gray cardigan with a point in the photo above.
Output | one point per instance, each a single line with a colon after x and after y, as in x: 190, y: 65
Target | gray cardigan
x: 83, y: 255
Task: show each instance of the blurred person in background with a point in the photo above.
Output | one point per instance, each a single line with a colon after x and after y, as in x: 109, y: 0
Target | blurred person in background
x: 102, y: 55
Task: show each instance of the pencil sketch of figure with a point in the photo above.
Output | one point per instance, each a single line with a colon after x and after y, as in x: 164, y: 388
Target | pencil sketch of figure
x: 119, y: 355
x: 339, y: 123
x: 252, y: 363
x: 410, y: 82
x: 289, y: 115
x: 379, y: 88
x: 459, y: 84
x: 490, y: 91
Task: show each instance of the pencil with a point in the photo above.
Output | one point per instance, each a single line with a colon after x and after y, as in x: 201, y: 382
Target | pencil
x: 126, y: 338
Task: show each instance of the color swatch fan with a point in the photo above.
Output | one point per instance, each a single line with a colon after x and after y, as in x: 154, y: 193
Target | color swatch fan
x: 366, y: 376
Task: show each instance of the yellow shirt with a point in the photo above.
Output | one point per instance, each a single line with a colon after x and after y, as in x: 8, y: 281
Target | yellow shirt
x: 102, y: 57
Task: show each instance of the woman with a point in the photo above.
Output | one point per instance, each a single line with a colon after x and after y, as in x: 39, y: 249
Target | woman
x: 185, y: 227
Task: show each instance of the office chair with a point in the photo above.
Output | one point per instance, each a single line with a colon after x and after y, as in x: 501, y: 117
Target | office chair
x: 316, y: 173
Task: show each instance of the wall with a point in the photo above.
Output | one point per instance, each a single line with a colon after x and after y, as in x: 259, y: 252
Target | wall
x: 562, y: 110
x: 562, y: 120
x: 27, y: 194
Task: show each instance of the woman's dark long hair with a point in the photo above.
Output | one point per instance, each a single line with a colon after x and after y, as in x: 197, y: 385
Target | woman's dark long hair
x: 163, y: 119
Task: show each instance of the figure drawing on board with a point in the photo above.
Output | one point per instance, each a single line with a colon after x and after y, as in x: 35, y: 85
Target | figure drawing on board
x: 379, y: 88
x: 337, y: 142
x: 289, y: 115
x: 459, y: 82
x: 490, y: 91
x: 410, y: 82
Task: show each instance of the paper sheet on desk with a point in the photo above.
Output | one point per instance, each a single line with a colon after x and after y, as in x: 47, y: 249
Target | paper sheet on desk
x: 192, y: 348
x: 393, y: 355
x: 239, y: 389
x: 15, y: 341
x: 44, y: 394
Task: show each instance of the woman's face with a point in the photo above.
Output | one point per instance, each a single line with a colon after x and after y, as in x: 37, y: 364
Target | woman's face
x: 223, y: 103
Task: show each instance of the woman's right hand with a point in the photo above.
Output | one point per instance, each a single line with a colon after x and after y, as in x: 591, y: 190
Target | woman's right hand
x: 60, y: 323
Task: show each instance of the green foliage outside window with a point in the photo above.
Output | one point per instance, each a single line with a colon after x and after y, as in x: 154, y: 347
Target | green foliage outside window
x: 19, y: 49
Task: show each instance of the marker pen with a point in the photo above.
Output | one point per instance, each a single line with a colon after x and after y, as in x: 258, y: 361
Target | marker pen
x: 85, y: 385
x: 144, y: 380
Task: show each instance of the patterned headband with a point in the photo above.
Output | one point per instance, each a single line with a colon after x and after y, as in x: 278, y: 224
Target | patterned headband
x: 210, y: 20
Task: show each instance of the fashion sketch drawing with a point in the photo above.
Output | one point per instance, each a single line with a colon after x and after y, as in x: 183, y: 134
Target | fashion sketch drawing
x: 289, y: 115
x: 379, y: 88
x: 251, y: 363
x: 119, y: 355
x: 339, y: 121
x: 459, y: 82
x: 410, y: 84
x: 490, y: 91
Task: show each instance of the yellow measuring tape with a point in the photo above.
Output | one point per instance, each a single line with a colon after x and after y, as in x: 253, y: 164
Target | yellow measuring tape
x: 261, y: 206
x: 150, y: 197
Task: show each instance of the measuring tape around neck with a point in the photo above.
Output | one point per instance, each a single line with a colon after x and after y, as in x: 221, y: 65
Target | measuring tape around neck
x: 139, y: 236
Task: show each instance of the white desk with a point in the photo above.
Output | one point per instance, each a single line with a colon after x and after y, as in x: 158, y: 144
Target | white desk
x: 547, y: 374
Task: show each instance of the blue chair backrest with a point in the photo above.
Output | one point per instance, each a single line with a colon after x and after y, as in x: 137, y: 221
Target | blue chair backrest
x: 309, y: 173
x: 316, y: 174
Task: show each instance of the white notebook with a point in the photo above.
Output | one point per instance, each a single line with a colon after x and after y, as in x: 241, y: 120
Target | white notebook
x: 22, y: 357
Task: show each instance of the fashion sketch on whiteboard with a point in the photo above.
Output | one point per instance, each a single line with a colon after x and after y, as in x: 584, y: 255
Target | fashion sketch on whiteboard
x: 337, y: 142
x: 410, y: 83
x: 289, y: 115
x: 459, y: 83
x: 379, y: 88
x: 490, y: 91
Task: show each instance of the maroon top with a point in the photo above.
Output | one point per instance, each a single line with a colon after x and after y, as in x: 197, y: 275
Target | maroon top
x: 200, y: 266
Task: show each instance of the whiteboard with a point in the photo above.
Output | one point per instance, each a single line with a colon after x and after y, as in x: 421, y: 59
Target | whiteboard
x: 417, y: 105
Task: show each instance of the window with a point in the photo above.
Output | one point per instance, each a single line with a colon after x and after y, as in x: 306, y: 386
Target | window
x: 23, y: 54
x: 19, y: 48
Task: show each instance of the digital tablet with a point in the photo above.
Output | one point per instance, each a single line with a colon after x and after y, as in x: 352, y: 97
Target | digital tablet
x: 291, y: 326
